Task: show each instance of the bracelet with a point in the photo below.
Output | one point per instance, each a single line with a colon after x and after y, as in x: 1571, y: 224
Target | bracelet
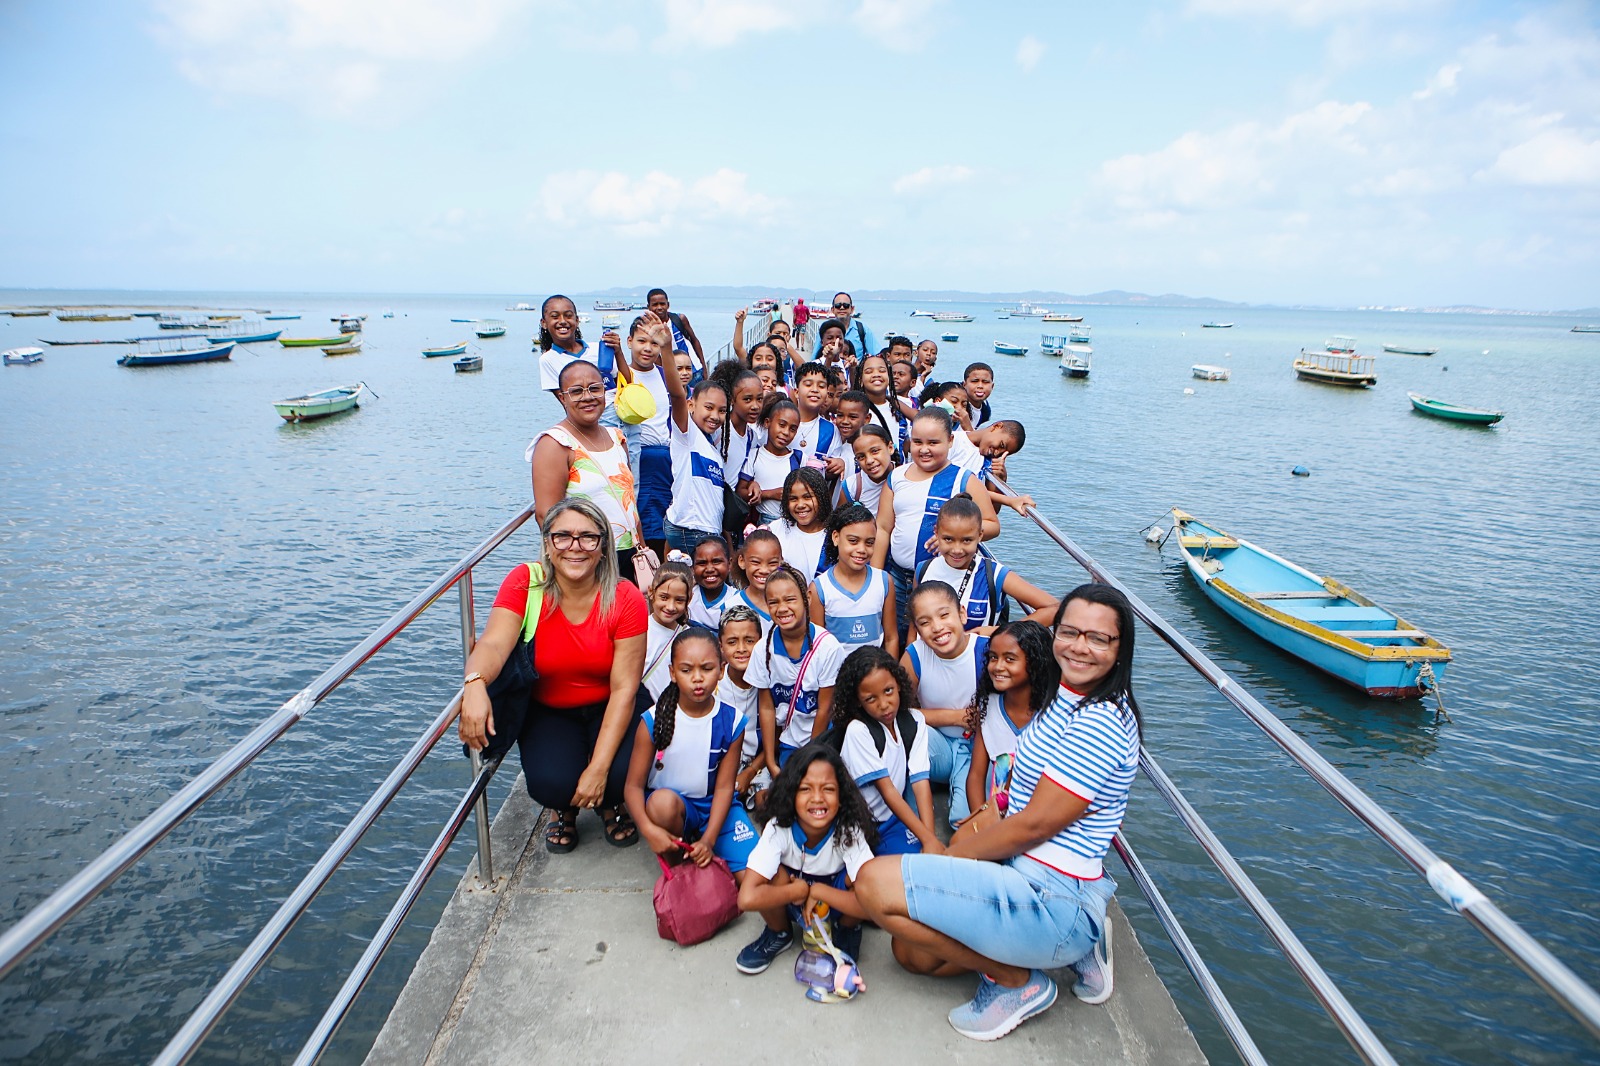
x: 470, y: 678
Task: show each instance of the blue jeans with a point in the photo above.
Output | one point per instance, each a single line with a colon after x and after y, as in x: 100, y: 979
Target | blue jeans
x: 1019, y: 912
x: 949, y: 759
x: 902, y: 580
x: 655, y: 488
x: 682, y: 539
x: 608, y: 417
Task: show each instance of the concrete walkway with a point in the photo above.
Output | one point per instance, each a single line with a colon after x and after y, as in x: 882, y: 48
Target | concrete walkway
x: 560, y: 963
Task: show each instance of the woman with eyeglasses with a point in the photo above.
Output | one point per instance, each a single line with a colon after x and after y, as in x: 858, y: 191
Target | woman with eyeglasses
x: 588, y: 650
x: 1022, y: 886
x: 580, y: 457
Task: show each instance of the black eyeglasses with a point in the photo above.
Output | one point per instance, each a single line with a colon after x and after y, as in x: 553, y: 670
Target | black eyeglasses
x: 1067, y: 635
x: 561, y: 540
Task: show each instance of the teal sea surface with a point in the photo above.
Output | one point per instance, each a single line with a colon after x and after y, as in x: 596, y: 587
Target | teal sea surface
x: 177, y: 561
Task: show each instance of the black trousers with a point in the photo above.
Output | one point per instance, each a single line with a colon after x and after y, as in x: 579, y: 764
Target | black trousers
x: 556, y: 745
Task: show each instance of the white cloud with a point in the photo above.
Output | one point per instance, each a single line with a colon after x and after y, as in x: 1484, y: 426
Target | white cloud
x: 1558, y: 156
x: 1304, y: 12
x: 653, y: 203
x: 903, y: 25
x: 929, y: 177
x: 326, y: 54
x: 720, y: 23
x: 1029, y: 51
x: 1442, y: 82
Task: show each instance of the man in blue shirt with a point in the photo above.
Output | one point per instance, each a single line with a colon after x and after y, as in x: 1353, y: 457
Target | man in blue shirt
x: 855, y: 330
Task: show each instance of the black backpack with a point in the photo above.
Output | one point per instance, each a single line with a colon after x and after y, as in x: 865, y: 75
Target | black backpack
x: 904, y: 722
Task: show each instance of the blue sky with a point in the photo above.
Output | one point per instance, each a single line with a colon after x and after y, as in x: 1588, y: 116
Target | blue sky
x: 1293, y: 151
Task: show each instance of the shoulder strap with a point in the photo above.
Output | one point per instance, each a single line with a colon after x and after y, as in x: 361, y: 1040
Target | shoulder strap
x: 800, y: 674
x: 535, y: 605
x: 880, y: 736
x: 906, y: 722
x: 665, y: 648
x: 916, y: 660
x: 921, y: 570
x: 980, y: 646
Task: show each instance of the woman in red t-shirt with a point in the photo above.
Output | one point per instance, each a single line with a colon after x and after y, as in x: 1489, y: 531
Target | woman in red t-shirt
x: 577, y: 739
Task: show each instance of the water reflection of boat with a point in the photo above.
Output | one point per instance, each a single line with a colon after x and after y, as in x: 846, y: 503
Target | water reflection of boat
x: 1314, y: 618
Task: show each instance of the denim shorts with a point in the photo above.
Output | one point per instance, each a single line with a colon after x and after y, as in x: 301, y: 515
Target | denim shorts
x: 1021, y: 912
x: 949, y: 759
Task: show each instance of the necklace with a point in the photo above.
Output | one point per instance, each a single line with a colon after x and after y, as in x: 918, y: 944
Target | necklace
x: 576, y: 432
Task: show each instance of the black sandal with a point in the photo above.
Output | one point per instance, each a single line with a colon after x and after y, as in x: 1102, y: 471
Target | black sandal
x: 620, y: 830
x: 561, y: 831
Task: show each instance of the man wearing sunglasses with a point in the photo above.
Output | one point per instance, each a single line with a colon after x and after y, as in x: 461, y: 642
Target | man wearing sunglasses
x: 855, y: 330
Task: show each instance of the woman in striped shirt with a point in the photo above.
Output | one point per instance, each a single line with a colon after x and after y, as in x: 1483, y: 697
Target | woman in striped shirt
x: 1021, y: 888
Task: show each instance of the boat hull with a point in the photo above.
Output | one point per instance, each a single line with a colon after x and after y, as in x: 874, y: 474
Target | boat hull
x: 312, y: 342
x: 1395, y: 349
x: 1009, y: 349
x: 1323, y: 376
x: 213, y: 354
x: 486, y: 333
x: 22, y: 356
x: 1472, y: 416
x: 1312, y: 615
x: 468, y: 364
x: 318, y: 405
x: 454, y: 349
x: 251, y: 339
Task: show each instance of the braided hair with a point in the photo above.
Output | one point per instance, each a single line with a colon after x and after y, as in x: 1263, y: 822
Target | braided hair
x: 546, y: 340
x: 900, y: 418
x: 854, y: 670
x: 817, y: 482
x: 667, y: 705
x: 851, y: 514
x: 785, y: 572
x: 730, y: 374
x: 854, y: 820
x: 1044, y: 673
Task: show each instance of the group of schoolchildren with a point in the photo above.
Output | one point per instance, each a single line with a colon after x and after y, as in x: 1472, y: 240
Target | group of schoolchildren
x: 784, y: 686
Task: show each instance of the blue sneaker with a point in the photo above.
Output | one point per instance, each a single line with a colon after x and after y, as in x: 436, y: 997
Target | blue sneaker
x: 758, y: 954
x: 847, y: 938
x: 996, y: 1010
x: 1094, y: 971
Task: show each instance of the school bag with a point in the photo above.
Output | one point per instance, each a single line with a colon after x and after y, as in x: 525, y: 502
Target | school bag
x: 512, y: 689
x: 904, y: 723
x: 694, y: 903
x: 997, y: 616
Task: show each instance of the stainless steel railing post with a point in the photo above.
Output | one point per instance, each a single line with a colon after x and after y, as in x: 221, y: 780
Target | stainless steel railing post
x: 480, y: 810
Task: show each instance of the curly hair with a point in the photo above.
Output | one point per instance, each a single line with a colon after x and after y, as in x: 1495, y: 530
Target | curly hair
x: 854, y: 820
x: 667, y: 704
x: 854, y: 670
x: 1044, y: 673
x: 814, y: 480
x: 851, y: 514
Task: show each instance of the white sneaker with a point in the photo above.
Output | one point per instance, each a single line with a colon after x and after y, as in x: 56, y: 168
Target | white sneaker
x: 1094, y: 971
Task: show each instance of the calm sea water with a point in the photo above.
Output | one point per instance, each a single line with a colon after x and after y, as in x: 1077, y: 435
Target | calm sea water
x: 177, y: 561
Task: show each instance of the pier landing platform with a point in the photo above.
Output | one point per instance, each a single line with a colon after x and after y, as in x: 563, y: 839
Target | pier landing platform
x: 559, y: 962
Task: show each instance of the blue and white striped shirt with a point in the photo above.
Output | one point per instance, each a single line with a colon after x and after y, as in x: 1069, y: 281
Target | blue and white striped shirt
x: 1092, y: 751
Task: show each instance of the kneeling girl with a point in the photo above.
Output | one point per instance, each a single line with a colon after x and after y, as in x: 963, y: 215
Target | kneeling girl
x: 884, y: 743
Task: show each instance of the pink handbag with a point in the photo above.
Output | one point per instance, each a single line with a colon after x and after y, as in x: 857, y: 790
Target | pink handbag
x: 693, y: 903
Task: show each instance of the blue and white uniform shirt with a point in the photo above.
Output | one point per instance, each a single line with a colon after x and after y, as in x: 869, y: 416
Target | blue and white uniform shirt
x: 1092, y: 751
x: 818, y: 437
x: 708, y: 613
x: 771, y: 668
x: 916, y: 511
x: 602, y: 356
x: 746, y: 701
x: 948, y: 683
x: 787, y: 848
x: 689, y: 765
x: 866, y: 766
x: 854, y: 618
x: 972, y: 585
x: 697, y: 480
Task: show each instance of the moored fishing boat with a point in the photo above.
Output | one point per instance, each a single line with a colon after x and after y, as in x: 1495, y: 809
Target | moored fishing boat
x: 1210, y: 372
x: 949, y: 338
x: 351, y: 346
x: 1004, y: 348
x: 1024, y: 309
x: 29, y: 312
x: 1216, y: 325
x: 463, y: 320
x: 316, y: 405
x: 1586, y: 329
x: 1052, y: 343
x: 1075, y: 360
x: 1078, y: 335
x: 452, y: 349
x: 1452, y: 412
x: 1340, y: 345
x: 1058, y: 316
x: 1314, y: 618
x: 1400, y: 349
x: 65, y: 315
x: 22, y: 356
x: 246, y: 335
x: 352, y: 324
x: 950, y: 316
x: 468, y: 364
x: 491, y: 328
x: 280, y: 318
x: 167, y: 351
x: 1336, y: 368
x: 311, y: 342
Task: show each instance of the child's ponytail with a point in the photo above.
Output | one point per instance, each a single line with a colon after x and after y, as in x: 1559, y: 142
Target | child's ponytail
x: 666, y: 721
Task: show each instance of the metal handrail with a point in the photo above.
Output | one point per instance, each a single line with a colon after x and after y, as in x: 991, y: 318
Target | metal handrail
x: 1345, y: 1016
x: 187, y: 1039
x: 334, y: 1016
x: 18, y: 942
x: 755, y: 330
x: 1232, y: 1025
x: 1566, y: 987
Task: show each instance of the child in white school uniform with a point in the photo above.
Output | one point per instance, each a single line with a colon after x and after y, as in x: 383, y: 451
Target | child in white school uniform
x: 945, y: 661
x: 1019, y: 681
x: 884, y: 742
x: 668, y: 598
x: 711, y: 595
x: 793, y: 671
x: 852, y: 599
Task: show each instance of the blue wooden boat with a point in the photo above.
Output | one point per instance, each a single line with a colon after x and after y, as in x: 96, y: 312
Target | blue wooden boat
x: 247, y: 338
x: 280, y: 318
x: 1318, y: 619
x: 167, y: 351
x: 453, y: 349
x: 1002, y: 348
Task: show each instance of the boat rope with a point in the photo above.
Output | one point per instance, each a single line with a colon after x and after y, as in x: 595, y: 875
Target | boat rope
x: 1430, y: 681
